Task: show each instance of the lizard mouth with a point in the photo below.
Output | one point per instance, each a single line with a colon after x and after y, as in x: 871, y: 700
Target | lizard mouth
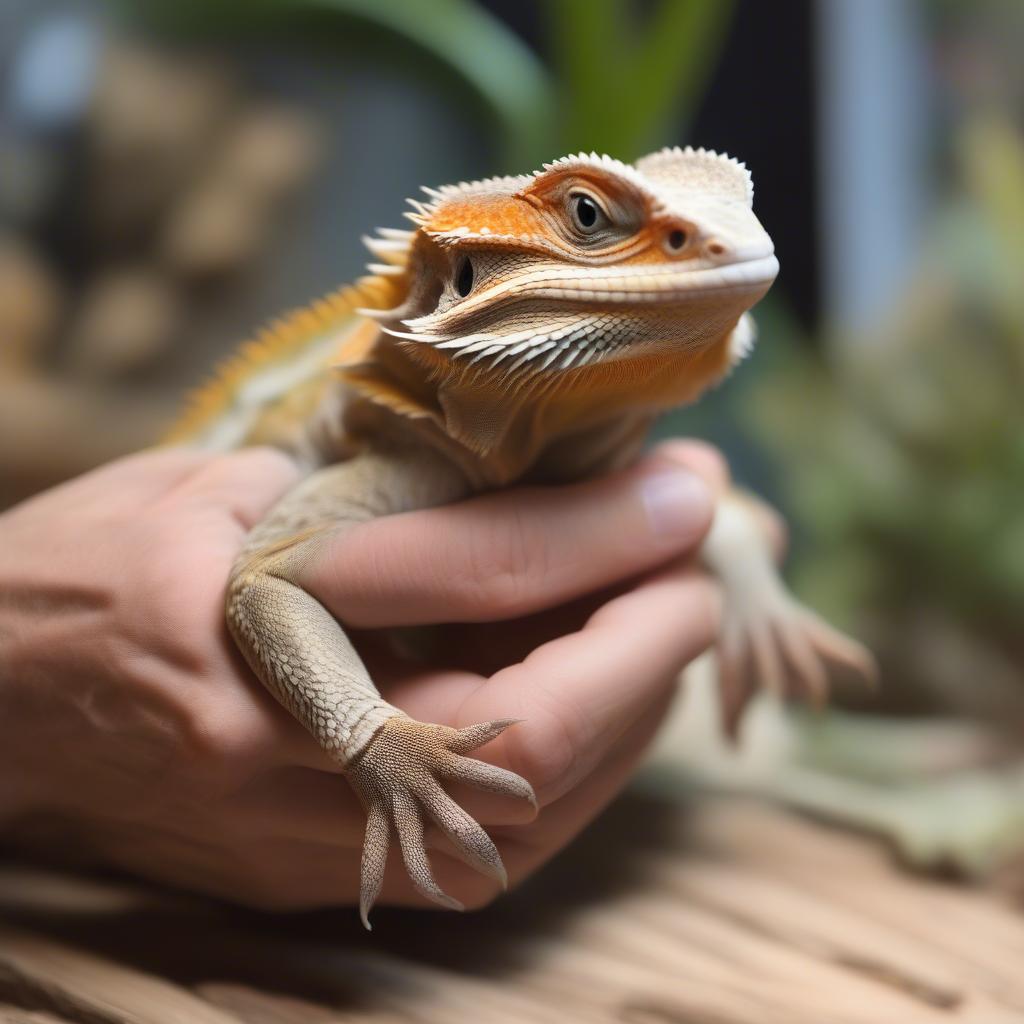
x: 663, y: 284
x: 593, y: 314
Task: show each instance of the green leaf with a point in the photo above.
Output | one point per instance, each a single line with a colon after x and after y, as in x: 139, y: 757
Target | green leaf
x: 624, y: 82
x: 501, y: 70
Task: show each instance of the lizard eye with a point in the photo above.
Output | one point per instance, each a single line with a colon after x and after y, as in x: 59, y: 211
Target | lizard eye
x: 587, y: 216
x: 677, y: 239
x: 464, y: 278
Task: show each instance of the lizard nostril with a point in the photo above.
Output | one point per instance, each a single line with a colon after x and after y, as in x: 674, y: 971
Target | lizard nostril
x: 716, y: 249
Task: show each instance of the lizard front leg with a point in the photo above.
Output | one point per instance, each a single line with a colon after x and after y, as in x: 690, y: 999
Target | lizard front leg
x: 302, y: 655
x: 767, y: 637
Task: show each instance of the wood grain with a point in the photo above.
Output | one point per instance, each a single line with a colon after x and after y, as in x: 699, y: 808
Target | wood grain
x: 725, y: 912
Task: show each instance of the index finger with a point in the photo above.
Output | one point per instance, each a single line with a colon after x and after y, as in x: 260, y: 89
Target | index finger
x: 506, y: 555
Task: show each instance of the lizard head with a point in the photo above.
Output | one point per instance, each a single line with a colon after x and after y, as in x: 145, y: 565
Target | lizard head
x: 585, y: 263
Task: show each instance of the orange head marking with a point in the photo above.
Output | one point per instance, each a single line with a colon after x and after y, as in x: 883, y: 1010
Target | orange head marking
x: 586, y: 262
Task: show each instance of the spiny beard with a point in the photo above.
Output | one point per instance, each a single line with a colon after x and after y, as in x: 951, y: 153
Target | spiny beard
x: 523, y: 346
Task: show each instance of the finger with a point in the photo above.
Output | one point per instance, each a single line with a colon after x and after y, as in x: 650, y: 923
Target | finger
x: 155, y: 469
x: 572, y: 717
x: 579, y: 693
x: 297, y: 803
x: 523, y: 849
x: 331, y: 863
x: 526, y: 848
x: 505, y: 555
x: 700, y: 457
x: 247, y: 482
x: 132, y: 479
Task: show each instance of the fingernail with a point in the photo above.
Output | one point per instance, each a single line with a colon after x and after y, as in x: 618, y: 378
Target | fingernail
x: 678, y: 503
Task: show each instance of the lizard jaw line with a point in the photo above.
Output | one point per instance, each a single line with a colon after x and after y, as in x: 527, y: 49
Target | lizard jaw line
x: 663, y: 284
x: 742, y: 277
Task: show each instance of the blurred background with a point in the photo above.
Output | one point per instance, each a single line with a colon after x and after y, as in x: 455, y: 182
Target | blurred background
x: 172, y: 174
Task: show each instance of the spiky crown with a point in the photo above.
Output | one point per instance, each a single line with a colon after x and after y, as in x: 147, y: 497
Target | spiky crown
x: 667, y: 176
x: 698, y: 170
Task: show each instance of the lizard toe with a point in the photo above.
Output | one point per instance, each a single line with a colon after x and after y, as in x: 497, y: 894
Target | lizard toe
x: 489, y: 778
x: 408, y: 817
x: 375, y: 857
x: 398, y: 780
x: 785, y: 649
x: 473, y: 845
x: 473, y: 736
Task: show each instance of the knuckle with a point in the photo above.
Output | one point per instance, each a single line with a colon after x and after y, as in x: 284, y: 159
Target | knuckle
x: 206, y: 766
x: 208, y: 738
x: 261, y: 461
x: 225, y: 743
x: 549, y: 754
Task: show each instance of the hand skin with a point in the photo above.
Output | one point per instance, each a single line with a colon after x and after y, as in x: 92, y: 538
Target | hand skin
x: 133, y: 735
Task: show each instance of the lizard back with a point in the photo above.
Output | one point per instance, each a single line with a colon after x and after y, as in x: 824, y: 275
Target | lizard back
x: 269, y: 389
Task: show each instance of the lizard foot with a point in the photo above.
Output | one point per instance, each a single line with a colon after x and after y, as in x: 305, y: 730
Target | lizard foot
x: 397, y: 779
x: 769, y: 640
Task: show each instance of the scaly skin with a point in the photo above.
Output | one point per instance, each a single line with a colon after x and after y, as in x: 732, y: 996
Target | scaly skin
x: 529, y: 328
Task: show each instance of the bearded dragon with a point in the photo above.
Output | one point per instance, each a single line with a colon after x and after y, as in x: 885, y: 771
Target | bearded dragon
x: 528, y: 328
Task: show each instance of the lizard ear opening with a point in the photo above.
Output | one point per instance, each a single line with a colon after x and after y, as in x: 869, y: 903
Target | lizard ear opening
x: 464, y: 277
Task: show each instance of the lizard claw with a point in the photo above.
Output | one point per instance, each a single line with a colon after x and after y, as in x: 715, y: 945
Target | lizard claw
x: 397, y: 779
x: 776, y: 644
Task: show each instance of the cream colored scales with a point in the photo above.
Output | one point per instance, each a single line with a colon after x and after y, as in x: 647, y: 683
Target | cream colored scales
x: 528, y: 328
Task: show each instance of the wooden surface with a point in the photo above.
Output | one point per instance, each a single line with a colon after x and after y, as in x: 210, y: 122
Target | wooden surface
x: 723, y: 912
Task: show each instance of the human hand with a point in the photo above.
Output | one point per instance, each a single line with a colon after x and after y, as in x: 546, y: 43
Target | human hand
x: 135, y: 734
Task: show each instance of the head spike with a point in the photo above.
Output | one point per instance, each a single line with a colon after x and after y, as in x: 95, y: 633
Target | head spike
x: 704, y: 170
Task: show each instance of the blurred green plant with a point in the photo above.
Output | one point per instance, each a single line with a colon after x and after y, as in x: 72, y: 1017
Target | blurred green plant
x: 620, y: 82
x: 623, y: 81
x: 907, y: 452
